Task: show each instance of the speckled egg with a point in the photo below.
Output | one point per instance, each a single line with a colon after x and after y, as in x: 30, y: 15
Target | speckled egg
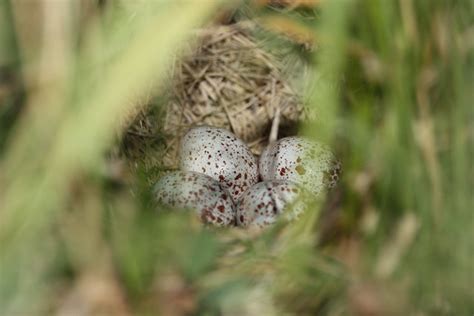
x: 197, y: 191
x: 302, y: 161
x: 219, y: 154
x: 262, y: 204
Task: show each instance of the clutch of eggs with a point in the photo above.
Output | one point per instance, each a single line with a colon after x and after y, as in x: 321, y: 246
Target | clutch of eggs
x: 219, y: 178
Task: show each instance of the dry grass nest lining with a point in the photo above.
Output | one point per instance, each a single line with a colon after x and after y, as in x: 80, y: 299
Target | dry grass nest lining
x: 226, y: 80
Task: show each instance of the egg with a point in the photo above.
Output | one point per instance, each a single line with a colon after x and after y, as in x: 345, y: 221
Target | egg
x: 265, y: 202
x: 207, y: 197
x: 308, y: 163
x: 219, y: 154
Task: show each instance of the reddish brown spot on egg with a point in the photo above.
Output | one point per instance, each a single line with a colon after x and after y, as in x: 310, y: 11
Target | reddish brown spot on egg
x: 282, y: 171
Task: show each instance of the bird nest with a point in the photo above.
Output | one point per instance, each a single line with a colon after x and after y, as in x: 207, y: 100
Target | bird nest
x: 226, y: 80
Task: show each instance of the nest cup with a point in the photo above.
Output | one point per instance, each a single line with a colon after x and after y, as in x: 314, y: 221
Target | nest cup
x: 225, y: 79
x: 229, y: 82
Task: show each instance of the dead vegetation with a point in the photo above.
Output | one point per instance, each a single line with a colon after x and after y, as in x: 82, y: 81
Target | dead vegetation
x: 226, y: 80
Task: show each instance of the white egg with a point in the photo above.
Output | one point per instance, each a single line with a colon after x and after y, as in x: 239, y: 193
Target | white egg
x: 310, y: 164
x: 265, y: 202
x: 193, y: 190
x: 219, y: 154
